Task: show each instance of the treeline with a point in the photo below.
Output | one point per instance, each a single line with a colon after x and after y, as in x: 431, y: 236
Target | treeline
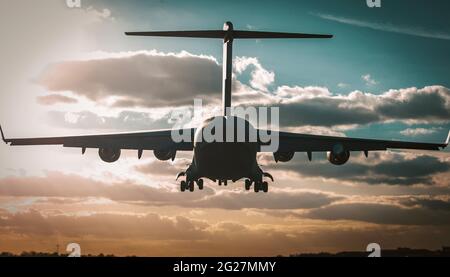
x: 46, y: 254
x: 399, y: 252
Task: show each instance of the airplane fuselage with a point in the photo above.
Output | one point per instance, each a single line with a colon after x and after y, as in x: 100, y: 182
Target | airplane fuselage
x: 230, y: 158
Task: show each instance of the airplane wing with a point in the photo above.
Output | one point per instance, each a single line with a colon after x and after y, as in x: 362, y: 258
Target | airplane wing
x: 293, y: 142
x: 147, y: 140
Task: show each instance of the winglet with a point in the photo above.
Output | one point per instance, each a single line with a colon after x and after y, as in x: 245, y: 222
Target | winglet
x: 3, y: 135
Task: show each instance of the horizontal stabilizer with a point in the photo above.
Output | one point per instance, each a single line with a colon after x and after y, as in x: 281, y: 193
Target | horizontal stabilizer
x: 187, y: 34
x: 222, y: 34
x: 260, y: 35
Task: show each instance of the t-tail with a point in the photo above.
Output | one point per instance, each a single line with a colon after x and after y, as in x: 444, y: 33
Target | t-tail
x: 228, y: 34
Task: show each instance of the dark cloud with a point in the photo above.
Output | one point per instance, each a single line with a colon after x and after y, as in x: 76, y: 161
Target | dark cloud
x: 151, y: 234
x: 421, y: 104
x: 153, y: 79
x: 147, y: 79
x: 156, y: 227
x: 318, y: 107
x: 56, y: 184
x: 395, y: 170
x: 381, y: 214
x: 30, y: 222
x: 427, y: 202
x: 324, y: 112
x: 73, y: 186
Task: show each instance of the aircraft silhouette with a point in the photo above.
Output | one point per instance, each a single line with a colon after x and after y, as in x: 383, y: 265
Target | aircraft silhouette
x: 221, y: 161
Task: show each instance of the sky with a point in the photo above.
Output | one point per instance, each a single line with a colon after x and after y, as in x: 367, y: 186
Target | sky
x: 68, y: 71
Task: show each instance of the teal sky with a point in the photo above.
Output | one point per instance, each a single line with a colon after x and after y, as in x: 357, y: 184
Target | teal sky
x: 402, y: 44
x: 394, y: 60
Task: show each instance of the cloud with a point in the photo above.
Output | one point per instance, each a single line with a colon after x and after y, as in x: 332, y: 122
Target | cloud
x: 414, y: 104
x: 276, y: 200
x: 381, y: 214
x: 317, y: 106
x: 432, y: 203
x: 158, y: 168
x: 144, y: 78
x: 124, y: 120
x: 55, y: 99
x: 155, y: 79
x: 419, y: 131
x: 152, y: 234
x: 105, y: 225
x: 378, y: 169
x: 260, y: 77
x: 386, y: 27
x: 342, y: 85
x: 369, y: 80
x: 73, y: 186
x: 57, y: 184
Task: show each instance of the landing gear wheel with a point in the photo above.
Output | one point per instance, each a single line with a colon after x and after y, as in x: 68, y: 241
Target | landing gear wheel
x: 191, y: 186
x: 200, y: 184
x: 257, y: 186
x: 183, y: 185
x: 265, y: 187
x: 248, y: 184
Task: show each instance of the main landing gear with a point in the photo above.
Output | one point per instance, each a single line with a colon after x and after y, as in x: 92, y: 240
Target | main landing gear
x: 257, y: 185
x: 189, y: 185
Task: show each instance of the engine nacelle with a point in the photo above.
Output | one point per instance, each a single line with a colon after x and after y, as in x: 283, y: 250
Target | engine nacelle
x: 164, y: 155
x: 338, y: 155
x: 283, y: 156
x: 109, y: 155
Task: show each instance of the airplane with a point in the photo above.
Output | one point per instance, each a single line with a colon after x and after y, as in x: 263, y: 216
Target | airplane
x: 224, y: 161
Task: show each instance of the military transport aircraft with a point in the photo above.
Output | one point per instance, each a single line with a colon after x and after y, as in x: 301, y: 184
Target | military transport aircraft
x: 223, y: 161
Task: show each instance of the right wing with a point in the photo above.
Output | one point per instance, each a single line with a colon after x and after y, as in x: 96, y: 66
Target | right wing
x: 294, y: 142
x: 148, y: 140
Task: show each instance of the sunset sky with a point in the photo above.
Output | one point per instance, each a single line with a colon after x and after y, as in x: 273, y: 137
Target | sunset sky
x: 70, y: 71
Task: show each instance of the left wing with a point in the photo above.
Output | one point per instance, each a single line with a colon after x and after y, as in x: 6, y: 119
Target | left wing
x: 293, y: 142
x: 147, y: 140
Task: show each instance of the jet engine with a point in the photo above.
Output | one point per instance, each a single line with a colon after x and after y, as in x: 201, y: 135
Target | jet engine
x: 164, y: 155
x: 109, y: 155
x: 338, y: 155
x: 283, y: 156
